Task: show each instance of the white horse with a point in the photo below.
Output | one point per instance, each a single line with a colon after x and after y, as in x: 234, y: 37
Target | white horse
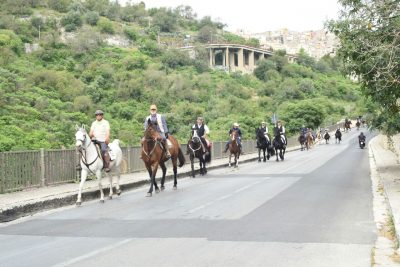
x: 91, y: 162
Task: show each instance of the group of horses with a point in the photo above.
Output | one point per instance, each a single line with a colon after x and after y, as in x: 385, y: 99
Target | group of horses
x: 277, y: 147
x: 153, y: 155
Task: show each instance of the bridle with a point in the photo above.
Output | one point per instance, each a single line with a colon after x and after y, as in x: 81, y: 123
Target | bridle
x: 149, y: 140
x: 83, y: 151
x: 196, y: 140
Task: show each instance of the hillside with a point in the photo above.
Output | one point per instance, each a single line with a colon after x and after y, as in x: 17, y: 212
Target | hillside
x: 61, y: 60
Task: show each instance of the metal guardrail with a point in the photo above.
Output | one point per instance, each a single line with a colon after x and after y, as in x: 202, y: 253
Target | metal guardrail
x: 25, y: 169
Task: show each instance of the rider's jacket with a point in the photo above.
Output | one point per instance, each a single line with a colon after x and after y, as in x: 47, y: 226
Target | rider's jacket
x: 279, y: 130
x: 361, y: 138
x: 236, y: 129
x: 201, y: 129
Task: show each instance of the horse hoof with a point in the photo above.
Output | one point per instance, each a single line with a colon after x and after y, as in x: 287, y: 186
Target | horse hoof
x: 162, y: 188
x: 157, y: 190
x: 259, y: 160
x: 119, y: 192
x: 110, y: 197
x: 175, y: 187
x: 148, y: 195
x: 78, y: 203
x: 101, y: 200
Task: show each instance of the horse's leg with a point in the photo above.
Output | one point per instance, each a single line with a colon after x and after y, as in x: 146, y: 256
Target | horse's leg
x: 98, y: 175
x: 192, y: 164
x: 109, y: 175
x: 230, y: 155
x: 277, y: 154
x: 84, y: 174
x: 259, y: 154
x: 164, y: 170
x: 153, y: 172
x: 265, y: 158
x: 118, y: 174
x: 175, y: 169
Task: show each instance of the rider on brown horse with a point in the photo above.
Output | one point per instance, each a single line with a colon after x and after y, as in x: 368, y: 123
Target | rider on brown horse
x: 202, y: 131
x: 237, y: 129
x: 162, y: 128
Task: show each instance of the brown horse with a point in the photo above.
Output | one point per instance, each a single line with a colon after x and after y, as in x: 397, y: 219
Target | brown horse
x: 234, y: 148
x: 309, y: 140
x: 347, y: 126
x: 153, y: 155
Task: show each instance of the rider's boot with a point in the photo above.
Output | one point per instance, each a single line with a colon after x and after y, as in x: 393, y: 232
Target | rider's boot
x: 166, y: 150
x: 106, y: 160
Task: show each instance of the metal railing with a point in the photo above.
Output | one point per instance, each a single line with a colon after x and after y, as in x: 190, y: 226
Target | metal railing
x: 24, y: 169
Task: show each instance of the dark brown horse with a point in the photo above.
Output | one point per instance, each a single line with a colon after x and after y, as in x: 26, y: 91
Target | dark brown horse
x: 195, y: 149
x: 234, y: 148
x: 153, y: 155
x: 347, y: 126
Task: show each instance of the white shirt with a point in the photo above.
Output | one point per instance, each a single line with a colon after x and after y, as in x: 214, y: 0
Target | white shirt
x: 100, y: 129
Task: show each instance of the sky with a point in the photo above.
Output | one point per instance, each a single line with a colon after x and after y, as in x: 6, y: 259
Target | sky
x: 256, y: 16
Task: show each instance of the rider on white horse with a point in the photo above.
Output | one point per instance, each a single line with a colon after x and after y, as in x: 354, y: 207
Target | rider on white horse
x: 100, y: 132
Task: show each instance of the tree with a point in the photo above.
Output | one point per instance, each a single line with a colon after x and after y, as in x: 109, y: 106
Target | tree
x: 369, y: 46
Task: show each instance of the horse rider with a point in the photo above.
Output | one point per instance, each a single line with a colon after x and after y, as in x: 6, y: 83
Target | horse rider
x: 303, y: 130
x: 202, y: 131
x: 264, y: 129
x: 161, y: 127
x: 326, y: 133
x: 100, y: 134
x: 237, y: 129
x: 279, y: 129
x: 361, y: 137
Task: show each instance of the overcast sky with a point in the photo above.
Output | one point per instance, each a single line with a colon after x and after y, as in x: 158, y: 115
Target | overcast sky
x: 259, y: 15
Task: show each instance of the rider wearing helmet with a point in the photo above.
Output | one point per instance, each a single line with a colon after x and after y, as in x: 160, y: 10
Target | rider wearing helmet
x: 100, y: 133
x: 361, y: 137
x: 235, y: 128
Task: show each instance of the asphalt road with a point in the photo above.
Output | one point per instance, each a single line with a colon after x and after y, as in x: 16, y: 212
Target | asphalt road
x: 313, y: 209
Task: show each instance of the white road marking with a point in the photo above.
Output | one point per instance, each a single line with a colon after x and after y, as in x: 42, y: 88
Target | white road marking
x: 93, y: 253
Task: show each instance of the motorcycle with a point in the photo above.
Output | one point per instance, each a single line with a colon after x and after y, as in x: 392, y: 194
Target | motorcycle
x: 362, y: 144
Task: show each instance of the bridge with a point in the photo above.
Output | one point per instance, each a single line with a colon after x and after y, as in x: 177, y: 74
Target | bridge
x: 235, y: 57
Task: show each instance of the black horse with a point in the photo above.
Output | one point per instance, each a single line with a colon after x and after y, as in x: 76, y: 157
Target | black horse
x: 338, y: 136
x: 327, y: 137
x: 195, y: 149
x: 263, y: 144
x: 280, y: 145
x: 302, y: 141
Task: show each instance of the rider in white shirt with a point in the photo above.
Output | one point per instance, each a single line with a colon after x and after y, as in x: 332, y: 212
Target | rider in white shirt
x: 100, y: 133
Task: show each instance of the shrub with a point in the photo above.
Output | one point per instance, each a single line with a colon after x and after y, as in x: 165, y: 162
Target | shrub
x: 92, y: 17
x: 105, y: 26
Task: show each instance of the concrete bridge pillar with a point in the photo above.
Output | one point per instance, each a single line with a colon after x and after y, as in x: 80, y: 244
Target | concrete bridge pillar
x: 212, y: 57
x: 240, y: 59
x: 251, y: 60
x: 227, y: 58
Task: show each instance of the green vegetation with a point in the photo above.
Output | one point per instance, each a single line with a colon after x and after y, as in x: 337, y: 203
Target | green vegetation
x: 369, y: 35
x: 45, y: 93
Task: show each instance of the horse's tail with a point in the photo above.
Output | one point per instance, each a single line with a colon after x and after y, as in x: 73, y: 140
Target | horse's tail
x: 181, y: 158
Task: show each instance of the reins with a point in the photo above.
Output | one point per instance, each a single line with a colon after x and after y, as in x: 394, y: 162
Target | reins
x: 84, y: 156
x: 154, y: 148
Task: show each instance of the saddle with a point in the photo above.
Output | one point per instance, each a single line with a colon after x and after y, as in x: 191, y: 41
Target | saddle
x: 111, y: 153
